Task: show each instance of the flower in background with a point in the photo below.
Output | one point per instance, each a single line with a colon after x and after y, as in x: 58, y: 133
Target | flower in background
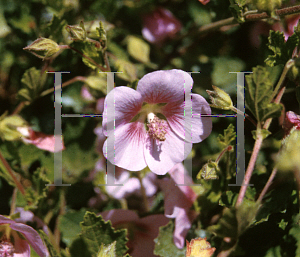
x: 148, y: 127
x: 141, y: 231
x: 287, y: 26
x: 204, y: 2
x: 160, y: 25
x: 16, y: 237
x: 291, y: 120
x: 178, y: 202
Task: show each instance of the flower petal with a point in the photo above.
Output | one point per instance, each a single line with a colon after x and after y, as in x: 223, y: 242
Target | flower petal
x: 127, y: 103
x: 128, y: 148
x: 22, y: 248
x: 200, y: 126
x: 32, y: 237
x: 164, y: 86
x: 162, y: 156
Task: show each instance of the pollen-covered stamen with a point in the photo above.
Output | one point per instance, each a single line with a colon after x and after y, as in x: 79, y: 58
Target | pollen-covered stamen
x: 157, y: 127
x: 6, y: 248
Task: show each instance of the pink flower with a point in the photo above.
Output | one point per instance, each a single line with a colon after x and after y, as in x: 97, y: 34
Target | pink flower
x: 141, y: 231
x: 149, y: 122
x: 160, y: 25
x: 291, y: 120
x: 178, y: 202
x: 13, y: 245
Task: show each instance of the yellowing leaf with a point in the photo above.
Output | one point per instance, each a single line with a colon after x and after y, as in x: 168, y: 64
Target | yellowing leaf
x: 138, y: 49
x: 199, y: 247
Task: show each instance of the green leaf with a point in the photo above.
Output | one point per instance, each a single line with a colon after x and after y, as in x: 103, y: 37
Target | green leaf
x: 228, y: 137
x: 25, y: 22
x: 295, y: 232
x: 50, y: 247
x: 227, y: 225
x: 291, y: 152
x: 221, y: 76
x: 91, y: 50
x: 38, y: 190
x: 228, y: 199
x: 69, y: 225
x: 34, y: 82
x: 258, y: 96
x: 5, y: 29
x: 282, y: 51
x: 164, y: 244
x: 138, y: 49
x: 199, y: 13
x: 129, y: 72
x: 237, y: 11
x: 95, y: 232
x: 55, y: 28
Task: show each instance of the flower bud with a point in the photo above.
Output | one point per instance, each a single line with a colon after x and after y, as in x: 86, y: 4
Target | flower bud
x: 220, y: 99
x: 199, y: 247
x: 43, y: 47
x: 77, y: 32
x: 9, y: 128
x: 209, y: 171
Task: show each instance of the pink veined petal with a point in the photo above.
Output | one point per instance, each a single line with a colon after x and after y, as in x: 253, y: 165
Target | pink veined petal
x: 162, y: 156
x: 164, y: 86
x: 22, y: 248
x: 200, y: 126
x: 4, y: 220
x: 32, y: 237
x: 127, y: 103
x: 183, y: 222
x: 128, y: 145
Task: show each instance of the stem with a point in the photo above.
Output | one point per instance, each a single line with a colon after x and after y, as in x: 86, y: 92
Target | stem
x: 62, y: 206
x: 248, y: 17
x: 13, y: 202
x: 250, y: 167
x: 246, y: 115
x: 287, y: 66
x: 83, y: 55
x: 11, y: 173
x: 267, y: 185
x: 228, y: 148
x: 19, y: 108
x: 145, y: 199
x: 259, y: 140
x: 73, y: 80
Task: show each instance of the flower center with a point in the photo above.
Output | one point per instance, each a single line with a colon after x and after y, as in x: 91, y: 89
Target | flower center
x: 157, y: 127
x: 6, y: 248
